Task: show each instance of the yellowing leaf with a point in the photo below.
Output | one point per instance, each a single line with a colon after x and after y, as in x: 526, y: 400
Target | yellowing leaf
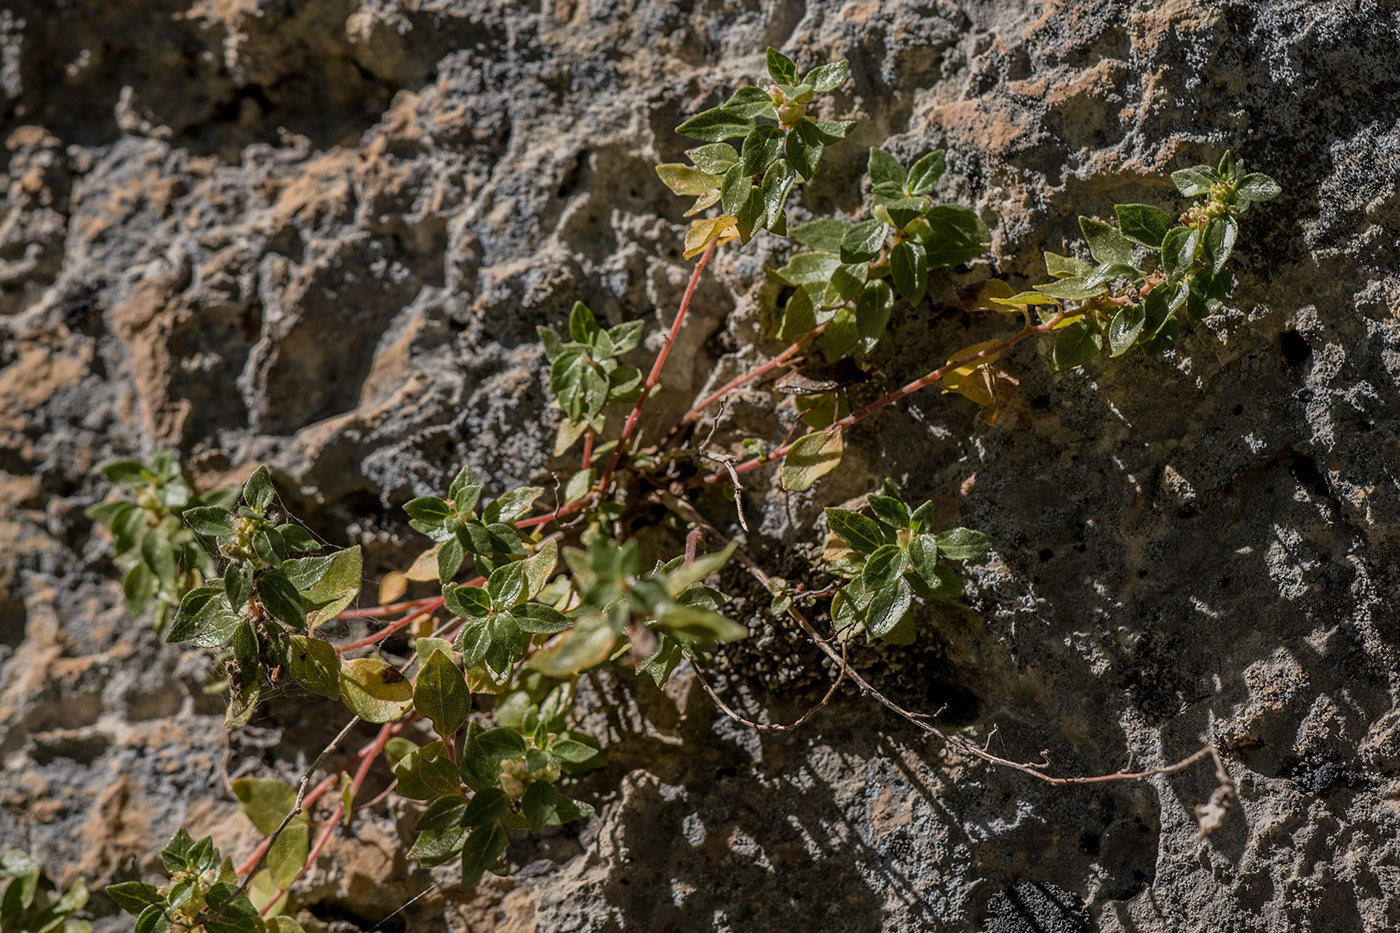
x: 375, y: 691
x: 287, y: 856
x: 708, y: 229
x: 336, y: 589
x: 424, y: 567
x: 585, y: 646
x: 986, y: 295
x: 266, y: 801
x: 539, y: 566
x: 974, y: 380
x: 811, y: 457
x: 686, y: 180
x: 394, y: 585
x: 263, y: 891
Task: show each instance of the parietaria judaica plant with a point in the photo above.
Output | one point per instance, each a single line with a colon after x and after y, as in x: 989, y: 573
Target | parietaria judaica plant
x: 537, y: 588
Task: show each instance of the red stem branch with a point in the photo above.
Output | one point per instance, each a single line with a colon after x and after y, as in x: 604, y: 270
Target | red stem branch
x: 922, y: 382
x: 655, y: 375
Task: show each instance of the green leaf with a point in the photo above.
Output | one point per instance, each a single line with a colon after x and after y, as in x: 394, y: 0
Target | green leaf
x: 826, y: 78
x: 501, y: 743
x: 128, y: 474
x: 1143, y: 223
x: 781, y: 68
x: 1072, y: 288
x: 268, y: 545
x: 134, y: 896
x: 903, y: 212
x: 864, y: 241
x: 1064, y: 266
x: 873, y: 311
x: 449, y: 559
x: 427, y: 772
x: 483, y: 849
x: 832, y: 131
x: 279, y: 597
x: 749, y: 216
x: 467, y: 602
x: 315, y: 665
x: 846, y: 285
x: 1219, y: 242
x: 824, y: 235
x: 858, y: 532
x: 909, y: 270
x: 923, y: 554
x: 777, y: 184
x: 761, y: 147
x: 429, y: 514
x: 804, y: 149
x: 336, y: 588
x: 572, y: 751
x: 441, y: 694
x: 1076, y: 343
x: 805, y: 268
x: 716, y: 125
x: 716, y: 158
x: 956, y: 235
x: 139, y: 587
x: 962, y: 544
x: 1106, y: 242
x: 374, y: 690
x: 538, y: 803
x: 887, y: 607
x: 539, y: 620
x: 203, y: 620
x: 890, y: 511
x: 1178, y: 251
x: 265, y: 801
x: 506, y: 585
x: 884, y: 565
x: 208, y: 520
x: 257, y: 491
x: 487, y: 806
x: 884, y: 168
x: 626, y: 336
x: 583, y: 326
x: 297, y: 539
x: 924, y: 173
x: 810, y: 458
x: 465, y: 490
x: 1194, y: 181
x: 287, y: 856
x: 1124, y: 329
x: 512, y: 504
x: 176, y: 852
x: 1257, y: 186
x: 1110, y: 271
x: 751, y: 102
x: 441, y: 832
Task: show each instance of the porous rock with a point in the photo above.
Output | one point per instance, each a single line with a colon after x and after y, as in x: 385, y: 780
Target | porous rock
x: 320, y: 235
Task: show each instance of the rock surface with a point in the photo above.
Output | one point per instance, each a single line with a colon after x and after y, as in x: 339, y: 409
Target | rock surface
x: 320, y: 235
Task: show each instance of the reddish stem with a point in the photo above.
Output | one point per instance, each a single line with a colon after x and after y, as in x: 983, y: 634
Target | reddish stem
x: 311, y: 797
x: 920, y: 383
x: 371, y: 753
x: 655, y: 375
x: 738, y: 381
x: 431, y: 606
x: 381, y: 611
x: 587, y: 448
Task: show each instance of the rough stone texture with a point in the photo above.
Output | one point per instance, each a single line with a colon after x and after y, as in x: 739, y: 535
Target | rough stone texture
x: 320, y: 235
